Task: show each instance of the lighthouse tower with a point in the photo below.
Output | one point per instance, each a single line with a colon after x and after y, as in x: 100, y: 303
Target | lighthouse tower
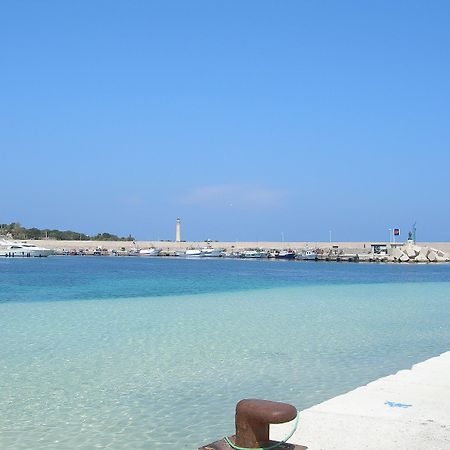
x: 178, y: 230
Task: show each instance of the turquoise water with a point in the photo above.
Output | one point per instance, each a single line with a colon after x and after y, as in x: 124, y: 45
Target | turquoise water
x: 133, y: 353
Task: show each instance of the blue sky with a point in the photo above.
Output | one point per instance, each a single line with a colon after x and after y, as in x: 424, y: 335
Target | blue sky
x: 247, y: 119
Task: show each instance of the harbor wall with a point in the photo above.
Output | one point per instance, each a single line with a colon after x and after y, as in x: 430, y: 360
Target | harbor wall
x: 359, y: 247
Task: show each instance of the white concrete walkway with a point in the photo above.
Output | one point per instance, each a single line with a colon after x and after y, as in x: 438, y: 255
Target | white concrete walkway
x: 406, y: 411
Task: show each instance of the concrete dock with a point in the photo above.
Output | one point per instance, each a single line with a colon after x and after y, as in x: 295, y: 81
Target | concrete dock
x: 408, y: 410
x: 179, y: 246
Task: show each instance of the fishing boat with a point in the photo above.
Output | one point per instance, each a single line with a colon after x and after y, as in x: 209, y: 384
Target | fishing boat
x: 225, y: 254
x: 209, y: 252
x: 307, y: 255
x: 150, y: 251
x: 285, y: 254
x: 254, y: 253
x: 193, y: 252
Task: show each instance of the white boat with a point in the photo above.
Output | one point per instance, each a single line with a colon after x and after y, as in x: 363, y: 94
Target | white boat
x: 230, y: 254
x: 307, y: 255
x: 22, y: 249
x: 150, y: 251
x: 211, y: 252
x: 193, y: 252
x: 254, y: 253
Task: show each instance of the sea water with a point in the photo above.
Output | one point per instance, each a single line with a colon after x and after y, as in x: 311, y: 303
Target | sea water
x: 142, y: 353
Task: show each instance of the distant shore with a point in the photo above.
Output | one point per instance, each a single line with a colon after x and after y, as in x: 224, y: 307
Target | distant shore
x: 179, y: 246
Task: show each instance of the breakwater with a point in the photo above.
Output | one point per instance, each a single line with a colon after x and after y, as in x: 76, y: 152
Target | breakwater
x: 322, y: 251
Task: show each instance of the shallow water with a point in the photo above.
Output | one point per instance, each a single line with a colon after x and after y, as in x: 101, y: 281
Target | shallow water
x: 133, y: 353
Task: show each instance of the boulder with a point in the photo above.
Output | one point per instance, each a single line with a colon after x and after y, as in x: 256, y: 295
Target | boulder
x: 404, y: 258
x: 417, y: 249
x: 410, y: 252
x: 397, y: 253
x: 422, y: 258
x: 432, y: 256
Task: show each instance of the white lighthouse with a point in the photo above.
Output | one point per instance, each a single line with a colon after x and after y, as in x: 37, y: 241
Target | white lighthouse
x: 178, y: 230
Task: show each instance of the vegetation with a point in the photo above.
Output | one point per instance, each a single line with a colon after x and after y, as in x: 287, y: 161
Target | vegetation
x: 16, y: 231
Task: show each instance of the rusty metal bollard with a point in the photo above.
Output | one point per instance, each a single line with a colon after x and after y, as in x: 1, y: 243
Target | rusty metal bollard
x: 253, y: 418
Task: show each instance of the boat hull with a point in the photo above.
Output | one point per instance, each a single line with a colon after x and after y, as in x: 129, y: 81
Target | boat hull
x: 308, y: 256
x: 26, y: 252
x: 193, y: 253
x: 149, y: 252
x: 211, y: 252
x: 283, y: 254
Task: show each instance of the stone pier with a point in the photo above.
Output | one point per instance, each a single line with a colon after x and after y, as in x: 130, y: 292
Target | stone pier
x: 408, y: 410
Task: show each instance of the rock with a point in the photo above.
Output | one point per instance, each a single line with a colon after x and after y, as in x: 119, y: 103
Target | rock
x: 440, y: 258
x: 397, y: 253
x: 417, y: 249
x: 432, y: 256
x: 404, y: 258
x: 422, y: 258
x: 410, y: 252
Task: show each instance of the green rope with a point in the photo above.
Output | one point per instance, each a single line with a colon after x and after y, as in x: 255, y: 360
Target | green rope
x: 227, y: 440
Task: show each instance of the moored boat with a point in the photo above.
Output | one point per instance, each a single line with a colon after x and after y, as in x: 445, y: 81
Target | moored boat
x: 285, y: 254
x: 23, y: 249
x: 307, y: 255
x: 192, y: 252
x: 150, y: 251
x: 226, y: 254
x: 254, y: 253
x: 211, y: 252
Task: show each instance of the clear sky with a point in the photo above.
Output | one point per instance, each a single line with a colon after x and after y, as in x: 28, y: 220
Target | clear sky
x: 247, y: 119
